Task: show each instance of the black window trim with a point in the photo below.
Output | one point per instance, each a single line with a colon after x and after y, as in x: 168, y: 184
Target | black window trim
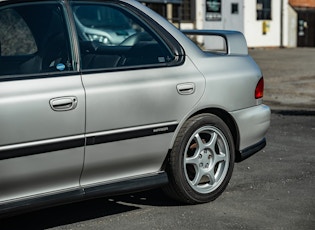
x: 22, y: 77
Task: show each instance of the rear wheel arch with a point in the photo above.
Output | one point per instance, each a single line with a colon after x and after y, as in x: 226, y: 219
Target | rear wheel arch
x: 228, y: 120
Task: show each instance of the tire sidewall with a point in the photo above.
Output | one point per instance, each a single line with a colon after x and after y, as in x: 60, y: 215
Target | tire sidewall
x: 188, y: 130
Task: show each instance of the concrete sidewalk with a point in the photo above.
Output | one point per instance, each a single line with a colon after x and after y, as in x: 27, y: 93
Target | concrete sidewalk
x: 289, y: 76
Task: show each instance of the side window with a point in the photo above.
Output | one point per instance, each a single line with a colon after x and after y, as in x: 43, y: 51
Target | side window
x: 33, y: 39
x: 111, y: 37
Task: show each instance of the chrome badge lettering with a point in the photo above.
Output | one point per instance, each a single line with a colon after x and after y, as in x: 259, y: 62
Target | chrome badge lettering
x: 160, y: 130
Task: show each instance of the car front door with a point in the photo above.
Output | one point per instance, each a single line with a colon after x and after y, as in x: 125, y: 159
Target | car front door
x: 42, y: 104
x: 137, y: 91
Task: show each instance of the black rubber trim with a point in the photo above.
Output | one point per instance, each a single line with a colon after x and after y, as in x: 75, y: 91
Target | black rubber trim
x: 124, y: 68
x: 17, y: 207
x: 80, y: 194
x: 130, y: 135
x: 42, y: 148
x: 246, y: 153
x: 80, y: 142
x: 119, y: 188
x: 22, y: 77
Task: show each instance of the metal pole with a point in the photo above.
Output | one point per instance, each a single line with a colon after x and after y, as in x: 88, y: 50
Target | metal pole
x: 281, y: 24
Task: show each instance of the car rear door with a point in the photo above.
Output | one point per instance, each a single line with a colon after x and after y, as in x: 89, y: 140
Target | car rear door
x: 136, y: 94
x: 42, y: 104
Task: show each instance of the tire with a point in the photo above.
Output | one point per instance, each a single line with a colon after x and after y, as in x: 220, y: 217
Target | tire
x: 201, y: 161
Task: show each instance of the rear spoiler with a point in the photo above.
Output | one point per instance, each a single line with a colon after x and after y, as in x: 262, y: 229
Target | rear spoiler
x: 234, y: 40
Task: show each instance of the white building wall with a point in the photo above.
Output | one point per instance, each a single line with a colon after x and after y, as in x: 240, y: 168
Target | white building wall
x: 200, y: 14
x: 233, y: 21
x: 290, y: 17
x: 228, y: 21
x: 253, y: 28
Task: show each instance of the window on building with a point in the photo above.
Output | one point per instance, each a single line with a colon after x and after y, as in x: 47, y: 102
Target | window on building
x: 234, y: 8
x: 158, y: 8
x: 213, y: 10
x: 184, y: 12
x: 263, y: 9
x: 188, y: 7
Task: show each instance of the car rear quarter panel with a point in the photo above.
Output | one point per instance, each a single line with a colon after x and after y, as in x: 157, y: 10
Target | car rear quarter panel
x: 230, y: 85
x: 230, y: 81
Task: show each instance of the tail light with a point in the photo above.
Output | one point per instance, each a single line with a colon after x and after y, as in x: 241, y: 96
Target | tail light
x: 259, y: 91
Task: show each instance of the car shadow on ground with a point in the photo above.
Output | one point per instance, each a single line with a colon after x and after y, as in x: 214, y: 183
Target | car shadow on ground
x: 86, y: 210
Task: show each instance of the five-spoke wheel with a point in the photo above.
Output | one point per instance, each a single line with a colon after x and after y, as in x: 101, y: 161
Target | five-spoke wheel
x: 201, y: 161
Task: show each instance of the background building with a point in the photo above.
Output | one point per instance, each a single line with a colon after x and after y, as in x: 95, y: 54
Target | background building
x: 306, y: 21
x: 265, y: 23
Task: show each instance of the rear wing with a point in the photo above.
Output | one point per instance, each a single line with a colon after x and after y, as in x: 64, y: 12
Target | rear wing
x: 235, y: 42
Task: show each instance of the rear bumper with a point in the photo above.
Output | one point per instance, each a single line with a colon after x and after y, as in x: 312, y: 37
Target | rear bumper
x: 253, y: 124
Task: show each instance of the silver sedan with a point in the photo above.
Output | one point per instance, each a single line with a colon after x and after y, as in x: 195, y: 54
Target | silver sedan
x: 83, y: 118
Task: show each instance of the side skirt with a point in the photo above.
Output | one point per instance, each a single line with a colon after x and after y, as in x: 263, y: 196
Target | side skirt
x: 117, y: 188
x: 246, y: 153
x: 123, y: 187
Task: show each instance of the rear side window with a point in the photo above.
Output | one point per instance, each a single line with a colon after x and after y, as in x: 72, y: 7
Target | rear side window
x: 113, y: 37
x: 33, y: 39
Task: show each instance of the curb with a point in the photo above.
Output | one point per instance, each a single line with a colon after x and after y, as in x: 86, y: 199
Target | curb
x: 290, y: 112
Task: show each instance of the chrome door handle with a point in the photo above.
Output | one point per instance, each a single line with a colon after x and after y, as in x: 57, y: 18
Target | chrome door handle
x: 63, y: 103
x: 186, y: 88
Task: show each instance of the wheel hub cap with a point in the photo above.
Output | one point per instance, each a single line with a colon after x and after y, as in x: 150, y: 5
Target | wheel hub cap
x: 206, y: 159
